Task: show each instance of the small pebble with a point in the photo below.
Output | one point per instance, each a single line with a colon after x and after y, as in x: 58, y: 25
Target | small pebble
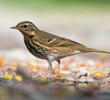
x: 86, y: 79
x: 82, y: 73
x: 8, y: 77
x: 33, y: 64
x: 18, y: 78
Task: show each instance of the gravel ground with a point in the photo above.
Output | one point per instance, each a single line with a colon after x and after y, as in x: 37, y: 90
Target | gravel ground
x: 85, y: 76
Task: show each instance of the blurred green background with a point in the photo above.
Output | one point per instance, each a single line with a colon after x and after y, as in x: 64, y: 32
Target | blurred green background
x: 60, y: 5
x: 57, y: 4
x: 85, y: 21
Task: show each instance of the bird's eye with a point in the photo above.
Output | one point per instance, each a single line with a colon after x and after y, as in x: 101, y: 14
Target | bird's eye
x: 25, y: 26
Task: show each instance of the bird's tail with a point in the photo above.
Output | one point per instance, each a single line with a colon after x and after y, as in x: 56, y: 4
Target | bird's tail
x: 84, y: 50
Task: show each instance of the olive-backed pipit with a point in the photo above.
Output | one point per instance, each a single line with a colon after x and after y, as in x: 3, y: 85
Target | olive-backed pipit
x: 48, y: 46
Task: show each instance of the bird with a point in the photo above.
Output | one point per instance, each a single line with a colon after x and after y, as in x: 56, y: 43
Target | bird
x: 48, y: 46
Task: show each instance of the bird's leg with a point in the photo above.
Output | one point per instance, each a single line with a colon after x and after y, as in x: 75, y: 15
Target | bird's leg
x: 58, y: 65
x: 50, y: 66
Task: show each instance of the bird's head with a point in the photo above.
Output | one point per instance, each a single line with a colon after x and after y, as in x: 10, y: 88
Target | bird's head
x: 26, y: 28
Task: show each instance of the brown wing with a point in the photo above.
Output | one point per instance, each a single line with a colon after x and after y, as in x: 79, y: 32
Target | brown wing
x: 59, y: 46
x: 55, y: 41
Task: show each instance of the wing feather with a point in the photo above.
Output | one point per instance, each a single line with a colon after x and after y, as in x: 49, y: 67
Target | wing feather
x: 51, y: 40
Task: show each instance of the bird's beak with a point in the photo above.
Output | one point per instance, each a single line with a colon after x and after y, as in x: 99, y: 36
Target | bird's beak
x: 14, y: 27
